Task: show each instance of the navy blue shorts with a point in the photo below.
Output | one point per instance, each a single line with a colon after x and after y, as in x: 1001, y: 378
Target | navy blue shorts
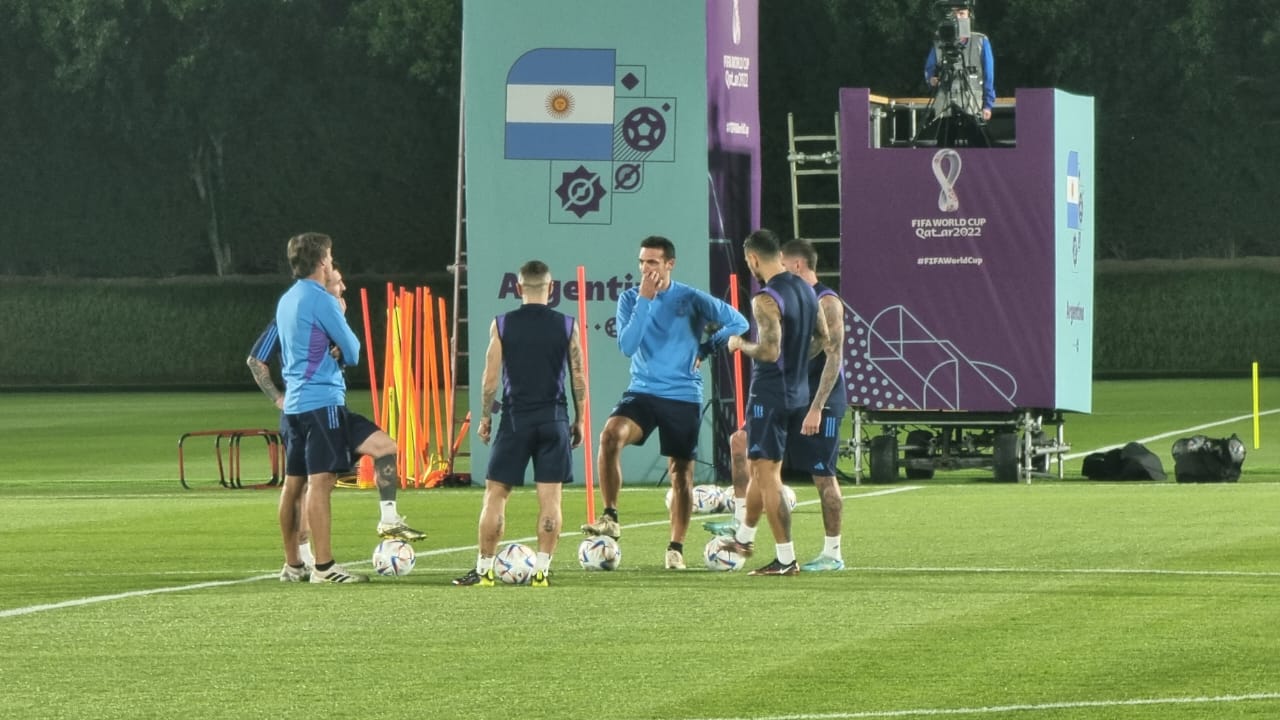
x: 324, y: 440
x: 816, y: 454
x: 546, y: 443
x: 677, y: 422
x: 768, y: 427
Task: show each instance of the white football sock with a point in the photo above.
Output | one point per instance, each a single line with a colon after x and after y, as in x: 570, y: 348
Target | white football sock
x: 831, y: 547
x: 389, y: 514
x: 544, y: 562
x: 745, y: 534
x: 304, y: 554
x: 786, y: 553
x: 740, y: 510
x: 484, y: 564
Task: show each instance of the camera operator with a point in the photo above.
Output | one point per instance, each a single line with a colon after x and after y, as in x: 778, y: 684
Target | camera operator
x: 961, y: 59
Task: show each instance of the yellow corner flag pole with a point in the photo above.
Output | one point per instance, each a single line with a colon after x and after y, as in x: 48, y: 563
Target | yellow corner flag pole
x: 1257, y: 430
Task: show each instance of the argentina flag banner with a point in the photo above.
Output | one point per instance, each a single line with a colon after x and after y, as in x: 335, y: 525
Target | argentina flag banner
x: 1073, y: 190
x: 560, y: 105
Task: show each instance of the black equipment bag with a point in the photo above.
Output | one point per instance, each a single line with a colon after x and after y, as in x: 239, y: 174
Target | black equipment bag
x: 1202, y: 459
x: 1131, y: 462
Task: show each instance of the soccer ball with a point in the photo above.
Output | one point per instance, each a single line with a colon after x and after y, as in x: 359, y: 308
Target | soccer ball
x: 515, y: 564
x: 790, y: 496
x: 707, y: 499
x: 719, y: 559
x: 394, y: 558
x: 729, y: 501
x: 599, y: 553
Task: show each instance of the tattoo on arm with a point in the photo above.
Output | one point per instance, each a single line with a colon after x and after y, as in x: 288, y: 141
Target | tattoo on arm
x: 262, y: 376
x: 577, y: 379
x: 768, y: 346
x: 830, y: 326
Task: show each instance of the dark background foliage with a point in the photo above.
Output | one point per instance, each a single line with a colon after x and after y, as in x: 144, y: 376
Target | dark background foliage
x: 154, y: 138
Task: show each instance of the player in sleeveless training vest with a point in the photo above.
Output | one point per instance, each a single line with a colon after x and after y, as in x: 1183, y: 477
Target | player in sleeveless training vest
x: 779, y: 404
x: 531, y: 349
x: 817, y: 453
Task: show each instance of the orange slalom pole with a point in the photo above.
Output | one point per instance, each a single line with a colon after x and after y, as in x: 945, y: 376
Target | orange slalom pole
x: 737, y: 357
x: 420, y: 302
x: 433, y: 365
x: 368, y: 346
x: 388, y: 376
x: 586, y: 400
x: 406, y: 386
x: 448, y: 381
x: 457, y: 442
x: 413, y: 450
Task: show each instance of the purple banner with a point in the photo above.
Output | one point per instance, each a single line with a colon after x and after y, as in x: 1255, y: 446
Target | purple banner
x: 733, y: 163
x: 733, y: 118
x: 947, y: 261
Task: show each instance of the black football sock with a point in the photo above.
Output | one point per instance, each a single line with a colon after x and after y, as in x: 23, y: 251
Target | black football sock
x: 324, y: 567
x: 678, y: 547
x: 612, y: 512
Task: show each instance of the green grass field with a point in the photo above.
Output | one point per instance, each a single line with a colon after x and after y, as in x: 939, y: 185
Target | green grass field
x: 124, y: 596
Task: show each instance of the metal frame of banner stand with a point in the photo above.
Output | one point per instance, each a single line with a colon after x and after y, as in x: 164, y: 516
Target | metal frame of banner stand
x: 1031, y: 453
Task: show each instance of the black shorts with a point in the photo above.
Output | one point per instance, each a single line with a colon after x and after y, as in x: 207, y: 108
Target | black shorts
x: 324, y: 440
x: 768, y: 427
x: 546, y: 443
x: 677, y: 421
x: 816, y: 454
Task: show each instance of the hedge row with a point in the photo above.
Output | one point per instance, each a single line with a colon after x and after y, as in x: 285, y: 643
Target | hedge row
x: 184, y: 332
x: 1152, y: 319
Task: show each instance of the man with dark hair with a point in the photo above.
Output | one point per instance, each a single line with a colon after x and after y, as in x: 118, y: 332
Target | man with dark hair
x: 962, y: 72
x: 786, y: 314
x: 660, y: 324
x: 298, y: 559
x: 815, y: 453
x: 320, y: 432
x: 529, y: 349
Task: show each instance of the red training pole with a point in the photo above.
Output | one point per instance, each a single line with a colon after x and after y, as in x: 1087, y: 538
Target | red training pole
x: 448, y: 379
x: 368, y: 346
x: 586, y: 400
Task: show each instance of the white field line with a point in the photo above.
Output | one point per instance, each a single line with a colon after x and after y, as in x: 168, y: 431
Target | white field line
x: 92, y: 600
x: 1069, y: 571
x: 1172, y: 433
x: 1030, y: 707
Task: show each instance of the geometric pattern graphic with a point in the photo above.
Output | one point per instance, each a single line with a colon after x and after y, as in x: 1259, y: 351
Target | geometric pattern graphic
x: 894, y: 362
x: 593, y: 119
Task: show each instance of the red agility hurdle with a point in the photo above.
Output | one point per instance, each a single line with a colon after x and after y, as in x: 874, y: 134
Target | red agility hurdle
x: 229, y: 474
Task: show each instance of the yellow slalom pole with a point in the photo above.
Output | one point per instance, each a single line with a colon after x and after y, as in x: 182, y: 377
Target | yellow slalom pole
x: 1257, y: 428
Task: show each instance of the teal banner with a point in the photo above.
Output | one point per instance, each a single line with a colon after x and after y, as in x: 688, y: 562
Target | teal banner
x: 585, y: 132
x: 1074, y: 250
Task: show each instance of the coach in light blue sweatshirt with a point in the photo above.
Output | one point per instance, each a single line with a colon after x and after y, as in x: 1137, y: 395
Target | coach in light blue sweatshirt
x: 660, y: 325
x: 321, y: 434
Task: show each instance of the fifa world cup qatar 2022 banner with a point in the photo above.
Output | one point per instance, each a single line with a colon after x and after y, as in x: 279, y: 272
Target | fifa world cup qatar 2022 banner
x: 969, y: 271
x: 586, y: 131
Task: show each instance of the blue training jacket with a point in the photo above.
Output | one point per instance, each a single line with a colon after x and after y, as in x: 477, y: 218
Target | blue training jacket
x: 309, y: 321
x: 661, y: 336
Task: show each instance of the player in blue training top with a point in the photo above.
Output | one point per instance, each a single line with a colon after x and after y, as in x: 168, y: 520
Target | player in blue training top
x: 532, y: 350
x: 660, y: 325
x: 780, y: 404
x: 321, y: 434
x: 293, y: 521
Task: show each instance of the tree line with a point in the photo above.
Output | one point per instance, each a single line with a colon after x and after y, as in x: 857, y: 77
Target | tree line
x: 156, y: 138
